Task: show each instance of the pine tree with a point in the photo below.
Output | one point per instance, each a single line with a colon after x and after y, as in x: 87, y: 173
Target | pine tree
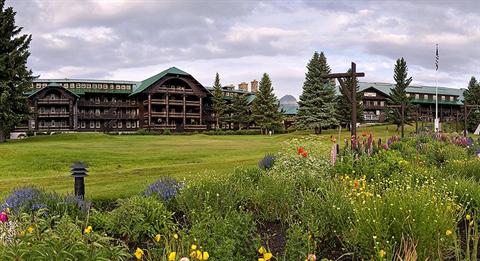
x: 15, y: 77
x: 472, y: 97
x: 399, y: 94
x: 240, y: 111
x: 265, y: 108
x: 218, y: 105
x: 317, y: 108
x: 344, y: 102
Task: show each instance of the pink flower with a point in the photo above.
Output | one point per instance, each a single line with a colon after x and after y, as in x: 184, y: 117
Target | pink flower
x: 3, y: 217
x: 312, y: 257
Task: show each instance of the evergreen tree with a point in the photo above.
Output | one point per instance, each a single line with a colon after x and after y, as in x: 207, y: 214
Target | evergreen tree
x: 240, y: 113
x: 218, y: 105
x: 317, y: 108
x: 265, y: 108
x: 15, y: 77
x: 399, y: 94
x: 344, y: 102
x: 472, y: 97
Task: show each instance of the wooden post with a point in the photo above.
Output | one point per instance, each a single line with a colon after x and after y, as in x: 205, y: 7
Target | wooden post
x: 354, y: 100
x: 149, y: 110
x: 184, y: 111
x: 201, y: 112
x: 402, y: 108
x: 465, y: 119
x: 167, y: 107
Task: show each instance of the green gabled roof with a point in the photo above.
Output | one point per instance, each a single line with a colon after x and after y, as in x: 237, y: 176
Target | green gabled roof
x: 289, y: 109
x: 148, y: 82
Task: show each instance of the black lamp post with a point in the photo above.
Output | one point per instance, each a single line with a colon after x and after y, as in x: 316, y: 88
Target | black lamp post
x: 79, y: 172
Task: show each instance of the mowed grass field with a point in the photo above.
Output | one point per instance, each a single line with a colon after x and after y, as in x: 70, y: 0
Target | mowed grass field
x: 124, y: 165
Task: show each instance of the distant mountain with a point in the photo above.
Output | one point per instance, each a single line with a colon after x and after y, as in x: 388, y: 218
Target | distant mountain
x: 288, y: 100
x: 289, y: 104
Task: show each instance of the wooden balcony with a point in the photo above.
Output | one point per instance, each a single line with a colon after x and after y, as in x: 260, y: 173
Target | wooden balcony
x: 193, y: 103
x: 174, y: 90
x: 192, y: 115
x: 83, y: 103
x: 55, y: 128
x: 156, y: 102
x: 56, y: 114
x: 161, y: 126
x: 106, y: 116
x: 53, y: 101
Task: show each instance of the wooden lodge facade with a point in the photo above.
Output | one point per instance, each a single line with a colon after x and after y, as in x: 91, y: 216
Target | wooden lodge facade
x: 375, y: 97
x: 172, y: 99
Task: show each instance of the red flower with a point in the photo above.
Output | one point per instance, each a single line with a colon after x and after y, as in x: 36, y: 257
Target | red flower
x: 364, y: 134
x: 304, y: 154
x: 3, y: 217
x: 300, y: 150
x: 356, y: 184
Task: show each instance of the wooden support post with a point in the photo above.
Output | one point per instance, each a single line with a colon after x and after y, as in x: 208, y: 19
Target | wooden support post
x: 465, y: 119
x: 354, y: 100
x: 201, y: 112
x: 184, y: 111
x: 149, y: 110
x: 167, y: 108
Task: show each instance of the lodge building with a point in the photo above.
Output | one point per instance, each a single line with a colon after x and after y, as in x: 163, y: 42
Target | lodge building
x: 375, y: 97
x: 172, y: 99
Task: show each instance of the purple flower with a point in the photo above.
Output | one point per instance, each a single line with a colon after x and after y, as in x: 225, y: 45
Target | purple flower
x: 23, y: 198
x: 164, y: 189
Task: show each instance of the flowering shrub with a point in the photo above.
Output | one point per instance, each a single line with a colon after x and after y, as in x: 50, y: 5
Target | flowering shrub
x: 164, y: 189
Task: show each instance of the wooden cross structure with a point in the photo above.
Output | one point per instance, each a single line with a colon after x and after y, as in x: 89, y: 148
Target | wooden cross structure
x: 353, y: 74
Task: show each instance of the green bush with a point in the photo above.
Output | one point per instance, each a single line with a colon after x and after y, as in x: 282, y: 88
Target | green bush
x: 135, y: 219
x: 59, y: 238
x: 229, y: 236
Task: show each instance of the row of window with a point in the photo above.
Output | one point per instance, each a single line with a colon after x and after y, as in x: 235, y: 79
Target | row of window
x: 374, y: 103
x: 52, y: 109
x: 106, y: 99
x: 77, y: 85
x: 52, y: 123
x: 99, y: 111
x: 115, y: 125
x: 419, y: 96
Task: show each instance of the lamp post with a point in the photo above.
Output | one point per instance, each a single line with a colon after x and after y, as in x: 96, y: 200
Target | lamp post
x: 79, y: 172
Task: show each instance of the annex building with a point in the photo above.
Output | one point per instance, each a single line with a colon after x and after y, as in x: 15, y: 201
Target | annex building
x: 375, y: 97
x: 171, y: 99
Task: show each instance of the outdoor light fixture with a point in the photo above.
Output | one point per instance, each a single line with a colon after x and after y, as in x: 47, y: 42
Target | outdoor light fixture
x: 79, y: 172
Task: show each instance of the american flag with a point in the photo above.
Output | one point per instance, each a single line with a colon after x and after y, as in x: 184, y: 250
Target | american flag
x: 436, y: 58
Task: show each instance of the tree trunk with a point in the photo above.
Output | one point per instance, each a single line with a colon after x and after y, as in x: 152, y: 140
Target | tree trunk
x: 2, y: 134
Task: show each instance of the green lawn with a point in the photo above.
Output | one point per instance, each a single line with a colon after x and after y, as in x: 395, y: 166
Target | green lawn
x: 125, y: 165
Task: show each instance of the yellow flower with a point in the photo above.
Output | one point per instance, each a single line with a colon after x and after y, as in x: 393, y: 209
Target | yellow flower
x: 261, y: 259
x: 194, y: 247
x: 175, y: 236
x: 30, y: 229
x: 382, y: 253
x: 199, y: 254
x: 448, y: 232
x: 157, y: 238
x: 267, y: 256
x: 88, y: 230
x: 22, y: 233
x: 172, y: 256
x: 205, y: 255
x: 262, y: 250
x: 138, y: 253
x: 468, y: 217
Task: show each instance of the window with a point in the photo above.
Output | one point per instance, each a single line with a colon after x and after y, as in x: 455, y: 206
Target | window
x: 382, y: 103
x: 97, y: 124
x: 417, y: 96
x: 128, y: 124
x: 72, y: 85
x: 434, y: 97
x: 451, y: 98
x: 94, y: 86
x: 77, y: 85
x: 52, y: 109
x: 84, y: 85
x: 408, y: 94
x: 92, y: 124
x: 119, y: 124
x: 52, y: 124
x: 369, y: 94
x: 443, y: 97
x: 82, y: 125
x: 65, y: 85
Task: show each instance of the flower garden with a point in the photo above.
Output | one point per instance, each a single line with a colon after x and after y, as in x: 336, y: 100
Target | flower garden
x: 366, y: 198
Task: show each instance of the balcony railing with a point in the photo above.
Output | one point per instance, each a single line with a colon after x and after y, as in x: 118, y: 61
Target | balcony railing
x: 369, y: 117
x: 107, y: 103
x: 50, y: 114
x: 53, y: 101
x: 107, y: 116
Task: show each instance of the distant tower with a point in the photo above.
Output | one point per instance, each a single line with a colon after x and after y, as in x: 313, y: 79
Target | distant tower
x: 243, y: 86
x: 254, y: 86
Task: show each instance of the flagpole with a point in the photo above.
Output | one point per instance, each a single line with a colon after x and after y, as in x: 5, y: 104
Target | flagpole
x: 437, y: 121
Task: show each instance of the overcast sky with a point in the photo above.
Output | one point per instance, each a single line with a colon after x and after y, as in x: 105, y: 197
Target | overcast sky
x: 135, y: 39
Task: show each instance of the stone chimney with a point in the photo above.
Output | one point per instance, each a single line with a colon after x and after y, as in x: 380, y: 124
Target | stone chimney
x: 243, y: 86
x: 254, y: 85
